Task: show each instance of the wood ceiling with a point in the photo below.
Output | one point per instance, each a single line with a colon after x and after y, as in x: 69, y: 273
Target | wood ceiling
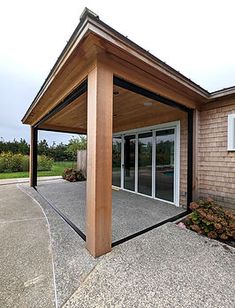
x: 130, y: 110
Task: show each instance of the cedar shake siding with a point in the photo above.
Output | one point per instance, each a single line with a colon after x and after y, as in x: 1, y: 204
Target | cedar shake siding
x: 183, y: 160
x: 216, y: 165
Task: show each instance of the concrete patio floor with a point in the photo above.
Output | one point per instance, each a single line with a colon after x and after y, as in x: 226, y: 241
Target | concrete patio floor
x: 44, y: 263
x: 131, y: 213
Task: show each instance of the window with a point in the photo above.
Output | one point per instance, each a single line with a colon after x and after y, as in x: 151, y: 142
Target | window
x: 231, y: 132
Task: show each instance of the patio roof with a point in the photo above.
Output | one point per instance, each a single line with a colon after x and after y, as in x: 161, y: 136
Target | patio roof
x: 130, y: 110
x: 93, y: 38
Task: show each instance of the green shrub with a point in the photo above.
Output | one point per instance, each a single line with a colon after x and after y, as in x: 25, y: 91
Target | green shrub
x: 16, y: 163
x: 13, y: 162
x: 25, y: 163
x: 73, y: 175
x: 45, y: 163
x: 10, y: 162
x: 5, y: 158
x: 212, y: 220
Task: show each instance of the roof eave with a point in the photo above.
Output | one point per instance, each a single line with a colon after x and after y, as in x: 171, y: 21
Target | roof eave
x: 79, y: 33
x: 90, y: 23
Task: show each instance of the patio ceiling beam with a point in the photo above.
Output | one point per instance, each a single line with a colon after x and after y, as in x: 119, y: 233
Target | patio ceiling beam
x: 63, y: 129
x: 81, y: 89
x: 149, y: 94
x: 99, y: 160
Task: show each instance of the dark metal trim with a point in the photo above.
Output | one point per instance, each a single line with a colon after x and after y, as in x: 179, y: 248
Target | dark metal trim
x: 60, y: 131
x: 81, y: 89
x: 72, y: 225
x: 34, y: 146
x: 139, y: 90
x: 130, y: 237
x: 190, y: 159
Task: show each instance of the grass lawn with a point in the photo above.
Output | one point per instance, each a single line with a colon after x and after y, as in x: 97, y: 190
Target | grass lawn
x: 57, y: 169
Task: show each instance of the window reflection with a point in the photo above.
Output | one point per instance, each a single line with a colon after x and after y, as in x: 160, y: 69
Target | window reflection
x: 165, y: 164
x: 129, y: 162
x: 116, y: 175
x: 145, y: 163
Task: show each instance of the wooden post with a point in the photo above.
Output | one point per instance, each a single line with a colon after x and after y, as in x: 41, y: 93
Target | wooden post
x: 33, y: 157
x: 99, y: 161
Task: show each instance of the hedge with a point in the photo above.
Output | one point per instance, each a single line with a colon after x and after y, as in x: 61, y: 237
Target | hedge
x: 10, y: 162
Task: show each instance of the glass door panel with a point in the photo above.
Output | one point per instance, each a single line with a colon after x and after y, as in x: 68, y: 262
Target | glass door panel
x: 165, y: 164
x: 116, y: 161
x: 129, y: 162
x: 145, y: 163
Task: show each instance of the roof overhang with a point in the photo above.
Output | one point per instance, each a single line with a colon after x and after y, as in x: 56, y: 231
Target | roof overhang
x: 93, y: 36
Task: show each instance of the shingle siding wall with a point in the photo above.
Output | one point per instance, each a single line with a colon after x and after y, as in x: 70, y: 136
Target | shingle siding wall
x: 183, y: 159
x: 216, y: 166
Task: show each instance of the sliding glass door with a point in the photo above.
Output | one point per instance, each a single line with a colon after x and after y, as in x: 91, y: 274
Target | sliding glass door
x: 144, y: 162
x: 164, y: 175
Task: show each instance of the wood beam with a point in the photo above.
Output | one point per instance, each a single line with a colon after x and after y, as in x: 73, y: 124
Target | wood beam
x: 147, y: 81
x: 63, y: 129
x: 99, y: 161
x: 33, y: 157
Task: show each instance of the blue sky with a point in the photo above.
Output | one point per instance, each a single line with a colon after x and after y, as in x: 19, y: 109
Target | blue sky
x: 194, y: 37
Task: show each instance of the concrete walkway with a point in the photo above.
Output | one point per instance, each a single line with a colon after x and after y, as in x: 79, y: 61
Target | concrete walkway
x: 166, y: 267
x: 26, y: 268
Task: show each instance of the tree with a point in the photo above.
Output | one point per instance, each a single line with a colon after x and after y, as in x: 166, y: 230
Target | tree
x: 23, y: 147
x: 75, y: 144
x: 43, y: 148
x: 59, y: 152
x: 14, y: 146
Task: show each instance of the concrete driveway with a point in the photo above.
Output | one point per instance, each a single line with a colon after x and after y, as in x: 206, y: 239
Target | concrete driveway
x: 26, y: 267
x: 43, y: 263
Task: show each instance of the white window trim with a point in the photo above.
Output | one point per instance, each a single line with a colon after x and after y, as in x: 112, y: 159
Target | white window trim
x: 231, y: 132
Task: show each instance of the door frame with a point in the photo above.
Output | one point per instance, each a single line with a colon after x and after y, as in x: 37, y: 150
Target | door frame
x: 169, y: 125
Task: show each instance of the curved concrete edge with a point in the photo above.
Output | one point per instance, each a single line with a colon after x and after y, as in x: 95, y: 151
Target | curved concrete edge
x: 26, y: 260
x: 50, y: 238
x: 72, y: 261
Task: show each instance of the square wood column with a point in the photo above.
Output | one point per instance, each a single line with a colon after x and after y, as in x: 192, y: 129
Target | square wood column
x: 33, y: 157
x: 99, y: 161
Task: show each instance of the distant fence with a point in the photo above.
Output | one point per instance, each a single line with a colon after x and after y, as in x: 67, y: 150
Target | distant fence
x: 82, y: 161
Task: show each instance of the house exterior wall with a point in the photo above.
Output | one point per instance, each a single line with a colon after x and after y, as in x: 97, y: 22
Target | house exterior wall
x: 183, y: 160
x: 216, y: 165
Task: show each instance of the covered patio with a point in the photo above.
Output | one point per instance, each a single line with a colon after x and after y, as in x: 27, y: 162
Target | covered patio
x: 132, y: 214
x: 107, y: 87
